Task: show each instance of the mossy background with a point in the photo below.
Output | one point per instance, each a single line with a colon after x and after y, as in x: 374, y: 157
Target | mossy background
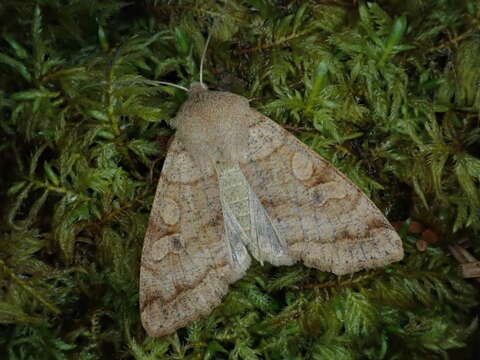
x: 387, y: 91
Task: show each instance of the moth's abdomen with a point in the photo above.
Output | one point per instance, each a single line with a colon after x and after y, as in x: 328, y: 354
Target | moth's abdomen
x: 234, y: 192
x: 247, y: 224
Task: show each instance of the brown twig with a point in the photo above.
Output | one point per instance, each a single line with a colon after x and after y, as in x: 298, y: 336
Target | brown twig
x: 349, y: 282
x: 279, y: 42
x: 464, y: 258
x: 455, y: 40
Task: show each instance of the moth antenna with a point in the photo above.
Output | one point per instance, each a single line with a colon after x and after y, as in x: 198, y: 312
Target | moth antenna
x: 203, y: 59
x: 171, y: 84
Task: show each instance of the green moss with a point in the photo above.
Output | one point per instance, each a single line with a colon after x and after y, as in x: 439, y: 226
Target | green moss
x: 389, y: 92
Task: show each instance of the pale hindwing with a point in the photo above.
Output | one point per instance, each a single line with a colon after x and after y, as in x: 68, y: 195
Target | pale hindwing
x: 325, y: 220
x: 187, y: 261
x: 247, y: 222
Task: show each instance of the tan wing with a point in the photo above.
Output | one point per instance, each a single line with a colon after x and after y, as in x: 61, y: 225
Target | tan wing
x: 324, y: 219
x: 187, y: 261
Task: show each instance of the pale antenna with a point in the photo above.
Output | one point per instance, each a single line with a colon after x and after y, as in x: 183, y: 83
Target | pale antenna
x: 171, y: 84
x: 203, y: 59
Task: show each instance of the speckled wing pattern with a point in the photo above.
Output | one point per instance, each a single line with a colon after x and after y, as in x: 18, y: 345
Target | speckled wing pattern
x: 187, y: 260
x: 325, y: 220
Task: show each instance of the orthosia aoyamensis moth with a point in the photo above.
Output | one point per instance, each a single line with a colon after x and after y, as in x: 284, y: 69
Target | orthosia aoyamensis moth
x: 236, y: 186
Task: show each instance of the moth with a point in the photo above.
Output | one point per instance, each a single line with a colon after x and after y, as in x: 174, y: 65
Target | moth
x: 235, y: 186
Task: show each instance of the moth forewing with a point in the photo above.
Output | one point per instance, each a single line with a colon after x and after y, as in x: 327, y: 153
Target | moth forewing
x: 235, y: 185
x: 323, y: 217
x: 186, y: 263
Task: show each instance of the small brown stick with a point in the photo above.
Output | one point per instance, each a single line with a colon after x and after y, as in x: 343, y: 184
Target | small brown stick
x: 469, y: 265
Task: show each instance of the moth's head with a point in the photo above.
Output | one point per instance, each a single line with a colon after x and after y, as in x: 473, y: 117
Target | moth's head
x: 196, y: 87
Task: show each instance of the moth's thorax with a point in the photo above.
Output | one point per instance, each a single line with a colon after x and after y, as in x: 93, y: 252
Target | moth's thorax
x: 208, y: 106
x: 213, y: 126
